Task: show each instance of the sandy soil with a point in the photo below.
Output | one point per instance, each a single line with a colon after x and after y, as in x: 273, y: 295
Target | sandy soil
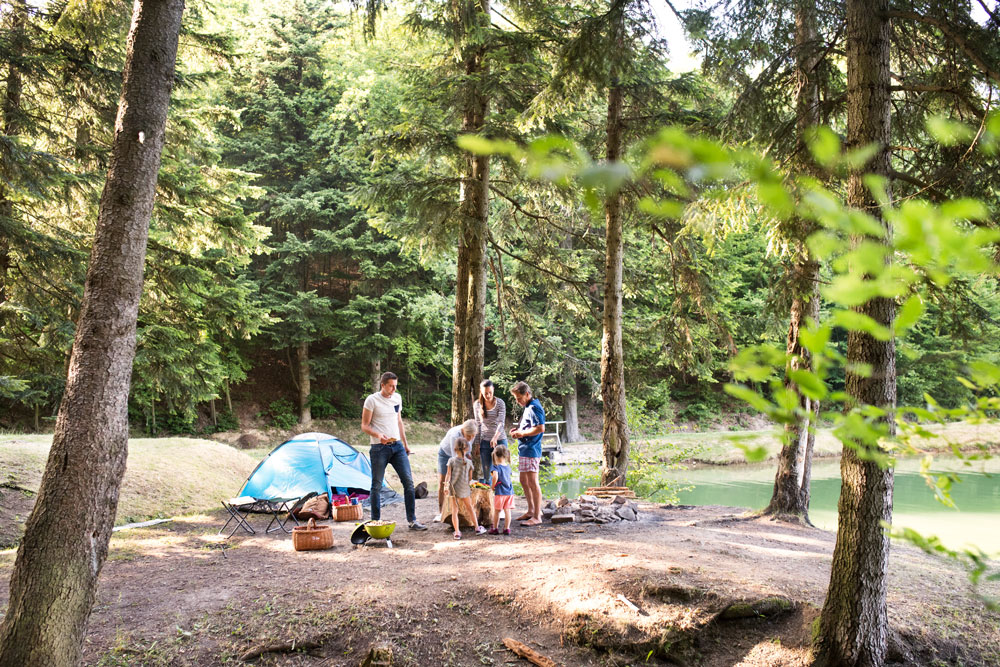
x: 178, y: 594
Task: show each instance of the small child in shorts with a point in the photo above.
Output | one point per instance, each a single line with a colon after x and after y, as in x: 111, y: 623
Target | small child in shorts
x: 503, y: 490
x: 457, y: 481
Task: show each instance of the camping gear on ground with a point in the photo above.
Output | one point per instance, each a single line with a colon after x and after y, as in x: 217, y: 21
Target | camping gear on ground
x: 241, y: 507
x: 311, y: 537
x: 381, y: 530
x: 373, y: 530
x: 317, y: 507
x: 350, y: 499
x: 420, y: 490
x: 314, y: 462
x: 297, y: 507
x: 360, y: 535
x: 482, y: 503
x: 347, y: 512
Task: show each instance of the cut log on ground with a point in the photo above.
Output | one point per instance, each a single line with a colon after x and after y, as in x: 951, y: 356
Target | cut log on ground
x: 482, y: 501
x: 284, y: 647
x: 610, y: 491
x: 529, y: 654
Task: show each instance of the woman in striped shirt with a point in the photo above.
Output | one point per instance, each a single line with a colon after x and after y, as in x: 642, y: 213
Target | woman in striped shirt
x: 490, y: 413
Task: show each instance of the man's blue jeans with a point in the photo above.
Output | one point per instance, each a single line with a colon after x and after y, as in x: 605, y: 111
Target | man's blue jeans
x: 393, y: 454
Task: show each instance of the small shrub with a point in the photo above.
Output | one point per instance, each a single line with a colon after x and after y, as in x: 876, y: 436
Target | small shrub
x: 321, y: 404
x: 646, y: 470
x: 224, y: 421
x: 430, y: 405
x: 703, y: 409
x: 178, y: 422
x: 281, y: 414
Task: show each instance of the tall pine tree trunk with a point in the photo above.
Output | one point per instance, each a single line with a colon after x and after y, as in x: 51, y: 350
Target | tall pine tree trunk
x: 853, y: 627
x: 568, y: 381
x: 570, y: 413
x: 470, y: 293
x: 615, y: 432
x: 461, y: 323
x: 10, y: 122
x: 790, y: 498
x: 66, y: 539
x: 376, y: 374
x: 305, y: 388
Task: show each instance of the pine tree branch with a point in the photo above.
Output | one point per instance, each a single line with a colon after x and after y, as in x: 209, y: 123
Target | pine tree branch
x: 577, y: 284
x: 990, y: 12
x: 953, y: 33
x: 543, y: 218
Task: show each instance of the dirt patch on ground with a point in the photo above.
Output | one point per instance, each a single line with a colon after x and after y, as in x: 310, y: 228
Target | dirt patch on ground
x: 710, y: 589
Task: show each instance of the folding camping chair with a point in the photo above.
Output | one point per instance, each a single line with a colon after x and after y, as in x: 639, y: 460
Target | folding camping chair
x: 242, y: 507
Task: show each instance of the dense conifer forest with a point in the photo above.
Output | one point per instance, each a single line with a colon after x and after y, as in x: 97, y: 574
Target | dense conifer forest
x: 309, y: 211
x: 232, y: 213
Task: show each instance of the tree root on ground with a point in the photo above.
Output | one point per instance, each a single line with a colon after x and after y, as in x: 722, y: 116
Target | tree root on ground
x: 677, y: 643
x: 284, y: 647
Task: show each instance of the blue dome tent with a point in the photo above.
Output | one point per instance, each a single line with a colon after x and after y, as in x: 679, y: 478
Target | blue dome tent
x: 312, y: 462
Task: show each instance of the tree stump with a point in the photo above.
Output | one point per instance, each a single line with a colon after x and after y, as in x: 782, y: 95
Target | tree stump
x: 379, y: 655
x: 482, y: 502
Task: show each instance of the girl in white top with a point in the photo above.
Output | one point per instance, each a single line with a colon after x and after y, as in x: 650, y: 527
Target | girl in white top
x: 465, y: 430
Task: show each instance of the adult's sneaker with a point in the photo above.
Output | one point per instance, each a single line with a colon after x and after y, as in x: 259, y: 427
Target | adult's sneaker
x: 416, y: 525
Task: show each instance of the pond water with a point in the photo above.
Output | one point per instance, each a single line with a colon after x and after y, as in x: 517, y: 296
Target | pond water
x: 976, y: 521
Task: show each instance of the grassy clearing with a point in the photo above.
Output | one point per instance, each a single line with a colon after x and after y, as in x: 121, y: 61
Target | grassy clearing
x: 178, y: 476
x: 164, y: 476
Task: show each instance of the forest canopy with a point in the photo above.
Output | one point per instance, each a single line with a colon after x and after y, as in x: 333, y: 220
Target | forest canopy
x: 310, y: 205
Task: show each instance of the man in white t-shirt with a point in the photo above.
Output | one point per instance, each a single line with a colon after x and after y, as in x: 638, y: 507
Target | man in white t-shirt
x: 382, y: 420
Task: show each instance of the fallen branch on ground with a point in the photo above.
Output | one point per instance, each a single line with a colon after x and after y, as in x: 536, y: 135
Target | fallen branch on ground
x: 531, y: 655
x: 286, y: 647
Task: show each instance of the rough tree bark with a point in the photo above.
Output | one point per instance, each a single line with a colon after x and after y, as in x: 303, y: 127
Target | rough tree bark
x: 790, y: 498
x: 66, y: 540
x: 375, y: 374
x: 461, y: 322
x: 615, y: 431
x: 853, y: 627
x: 470, y: 292
x: 475, y: 221
x: 570, y: 413
x: 302, y: 359
x: 568, y: 380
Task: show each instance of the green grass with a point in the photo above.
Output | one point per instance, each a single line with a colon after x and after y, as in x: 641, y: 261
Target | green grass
x: 164, y: 476
x: 167, y: 477
x: 177, y: 476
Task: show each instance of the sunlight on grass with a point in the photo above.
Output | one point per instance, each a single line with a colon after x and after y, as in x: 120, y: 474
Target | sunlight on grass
x: 164, y: 477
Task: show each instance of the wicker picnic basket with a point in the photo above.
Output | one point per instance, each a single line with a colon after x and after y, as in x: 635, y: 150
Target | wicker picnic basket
x: 347, y: 512
x: 311, y: 536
